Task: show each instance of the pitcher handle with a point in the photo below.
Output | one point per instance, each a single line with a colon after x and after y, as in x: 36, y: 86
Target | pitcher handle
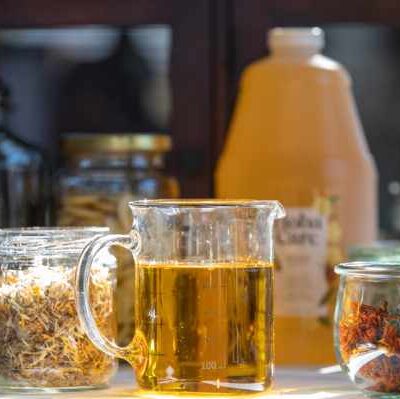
x: 135, y: 353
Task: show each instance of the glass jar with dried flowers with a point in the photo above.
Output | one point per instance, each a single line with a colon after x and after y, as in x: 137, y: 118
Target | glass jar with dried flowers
x: 42, y: 346
x: 367, y: 325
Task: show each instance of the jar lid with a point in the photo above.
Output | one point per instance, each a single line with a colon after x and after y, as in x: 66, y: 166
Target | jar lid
x: 78, y: 143
x: 369, y: 269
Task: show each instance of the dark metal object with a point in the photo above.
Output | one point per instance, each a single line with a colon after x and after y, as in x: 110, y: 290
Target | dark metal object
x: 23, y: 201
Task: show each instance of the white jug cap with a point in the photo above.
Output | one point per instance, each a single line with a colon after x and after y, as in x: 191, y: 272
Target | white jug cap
x: 301, y: 38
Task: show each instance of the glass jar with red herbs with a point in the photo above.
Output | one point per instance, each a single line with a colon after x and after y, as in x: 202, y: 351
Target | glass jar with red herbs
x: 367, y: 325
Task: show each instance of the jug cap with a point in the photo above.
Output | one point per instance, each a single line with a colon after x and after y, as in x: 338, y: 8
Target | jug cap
x: 300, y: 38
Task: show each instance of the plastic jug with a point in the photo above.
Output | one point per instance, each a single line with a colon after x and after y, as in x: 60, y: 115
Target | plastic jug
x: 296, y: 136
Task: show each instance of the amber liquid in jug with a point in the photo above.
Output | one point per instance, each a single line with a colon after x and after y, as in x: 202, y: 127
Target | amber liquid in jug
x: 216, y: 317
x: 296, y: 136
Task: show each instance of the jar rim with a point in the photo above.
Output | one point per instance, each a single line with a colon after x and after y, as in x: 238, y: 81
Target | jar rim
x: 46, y: 241
x: 38, y: 230
x: 208, y: 203
x: 369, y: 268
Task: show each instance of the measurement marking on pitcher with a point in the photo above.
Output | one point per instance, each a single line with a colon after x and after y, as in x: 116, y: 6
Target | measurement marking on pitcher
x: 212, y: 365
x: 207, y: 339
x: 169, y: 371
x: 152, y: 314
x: 153, y: 318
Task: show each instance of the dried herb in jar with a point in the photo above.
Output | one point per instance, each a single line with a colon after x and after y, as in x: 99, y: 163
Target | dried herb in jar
x: 366, y: 329
x: 41, y: 342
x: 96, y: 210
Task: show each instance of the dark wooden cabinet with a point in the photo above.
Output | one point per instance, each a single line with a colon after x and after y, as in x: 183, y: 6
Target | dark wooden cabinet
x: 212, y: 41
x: 197, y: 66
x: 251, y: 19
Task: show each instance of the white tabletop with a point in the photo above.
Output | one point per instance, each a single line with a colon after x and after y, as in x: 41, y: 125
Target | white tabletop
x: 288, y: 383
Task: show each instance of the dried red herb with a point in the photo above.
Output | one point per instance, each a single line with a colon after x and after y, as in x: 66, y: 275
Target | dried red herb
x: 364, y: 328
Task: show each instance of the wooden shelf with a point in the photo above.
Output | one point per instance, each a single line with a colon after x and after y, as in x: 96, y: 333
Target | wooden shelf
x: 46, y: 13
x: 251, y: 19
x: 325, y: 11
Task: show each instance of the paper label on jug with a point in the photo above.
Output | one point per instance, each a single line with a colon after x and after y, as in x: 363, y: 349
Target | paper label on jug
x: 300, y: 259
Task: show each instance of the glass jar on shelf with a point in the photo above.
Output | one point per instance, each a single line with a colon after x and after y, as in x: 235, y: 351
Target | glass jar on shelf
x: 102, y: 173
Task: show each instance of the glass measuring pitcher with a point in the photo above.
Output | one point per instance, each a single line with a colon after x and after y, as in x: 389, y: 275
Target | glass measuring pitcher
x: 203, y: 295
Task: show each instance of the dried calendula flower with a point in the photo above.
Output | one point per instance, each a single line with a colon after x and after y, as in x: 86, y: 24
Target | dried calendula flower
x: 41, y: 341
x: 78, y: 209
x: 96, y: 210
x: 366, y: 330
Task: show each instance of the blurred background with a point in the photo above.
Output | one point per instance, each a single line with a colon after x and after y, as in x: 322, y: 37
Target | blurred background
x: 173, y: 70
x: 87, y: 79
x: 103, y: 102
